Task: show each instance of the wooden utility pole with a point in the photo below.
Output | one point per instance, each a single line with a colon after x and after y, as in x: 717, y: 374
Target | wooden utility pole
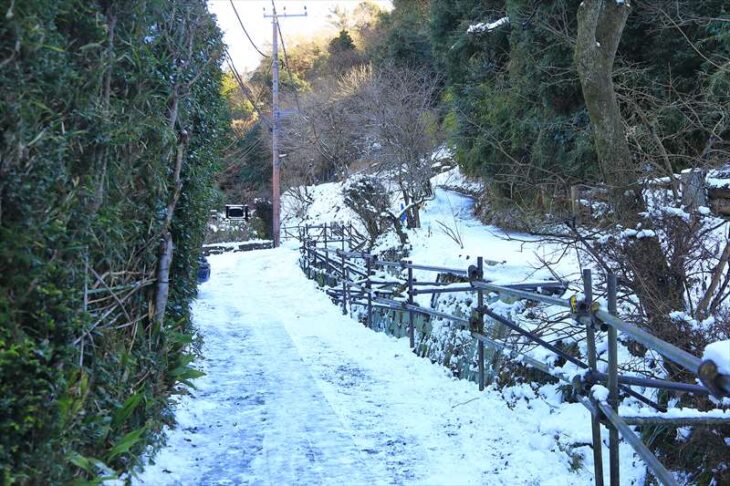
x: 276, y: 113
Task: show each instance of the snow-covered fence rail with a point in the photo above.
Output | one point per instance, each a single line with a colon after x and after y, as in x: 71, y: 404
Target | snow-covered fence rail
x: 331, y: 254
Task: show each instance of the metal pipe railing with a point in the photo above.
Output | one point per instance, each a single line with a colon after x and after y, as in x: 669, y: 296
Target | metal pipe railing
x: 669, y: 351
x: 649, y: 458
x: 714, y: 382
x: 650, y: 383
x: 523, y: 294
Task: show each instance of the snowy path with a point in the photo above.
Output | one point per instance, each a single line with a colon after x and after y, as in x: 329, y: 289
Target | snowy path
x: 295, y: 393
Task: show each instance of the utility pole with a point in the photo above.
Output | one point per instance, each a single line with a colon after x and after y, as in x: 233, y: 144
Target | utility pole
x: 276, y: 113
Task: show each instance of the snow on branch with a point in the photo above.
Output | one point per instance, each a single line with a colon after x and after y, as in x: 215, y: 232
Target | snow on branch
x: 487, y: 27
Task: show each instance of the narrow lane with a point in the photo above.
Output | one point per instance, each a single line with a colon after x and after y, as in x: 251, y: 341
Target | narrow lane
x: 296, y: 393
x: 257, y: 417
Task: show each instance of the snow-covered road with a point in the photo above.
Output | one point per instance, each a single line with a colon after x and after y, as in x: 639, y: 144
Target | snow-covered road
x: 296, y: 393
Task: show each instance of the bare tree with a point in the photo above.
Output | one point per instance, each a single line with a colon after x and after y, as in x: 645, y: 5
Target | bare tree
x: 395, y: 107
x: 319, y: 143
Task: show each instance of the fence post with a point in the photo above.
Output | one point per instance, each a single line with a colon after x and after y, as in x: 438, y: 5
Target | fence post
x: 344, y: 284
x: 693, y: 188
x: 324, y: 235
x: 575, y: 203
x: 315, y: 253
x: 345, y: 271
x: 369, y: 286
x: 342, y: 228
x: 308, y: 250
x: 591, y: 341
x: 305, y: 251
x: 613, y: 458
x: 303, y: 239
x: 308, y: 257
x: 411, y: 333
x: 480, y: 330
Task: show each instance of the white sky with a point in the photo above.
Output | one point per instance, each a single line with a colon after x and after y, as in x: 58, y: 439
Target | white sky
x: 259, y: 28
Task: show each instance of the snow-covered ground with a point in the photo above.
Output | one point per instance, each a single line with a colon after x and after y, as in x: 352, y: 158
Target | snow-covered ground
x: 296, y: 393
x: 521, y: 256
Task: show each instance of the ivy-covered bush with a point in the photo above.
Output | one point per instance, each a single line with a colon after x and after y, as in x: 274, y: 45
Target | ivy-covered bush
x: 100, y: 99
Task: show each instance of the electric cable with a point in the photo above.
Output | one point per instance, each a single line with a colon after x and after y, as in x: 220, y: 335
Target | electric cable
x: 240, y: 22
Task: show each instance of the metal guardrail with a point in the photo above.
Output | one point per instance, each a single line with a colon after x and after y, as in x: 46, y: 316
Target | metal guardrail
x: 340, y: 263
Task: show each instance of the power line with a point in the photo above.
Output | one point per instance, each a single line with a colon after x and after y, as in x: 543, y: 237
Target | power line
x: 286, y: 65
x: 245, y: 31
x: 244, y: 89
x: 317, y: 139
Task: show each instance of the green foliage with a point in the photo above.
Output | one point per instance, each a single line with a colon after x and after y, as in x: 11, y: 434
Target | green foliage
x: 342, y: 43
x: 517, y: 115
x: 85, y: 174
x: 402, y: 37
x: 677, y: 55
x: 262, y: 222
x: 516, y: 107
x: 248, y: 166
x: 240, y: 107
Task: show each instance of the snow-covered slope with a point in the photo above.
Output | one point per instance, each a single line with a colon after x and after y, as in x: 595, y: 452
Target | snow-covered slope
x: 450, y: 235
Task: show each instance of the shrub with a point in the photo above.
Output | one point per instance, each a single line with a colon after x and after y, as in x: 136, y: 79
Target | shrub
x: 97, y: 97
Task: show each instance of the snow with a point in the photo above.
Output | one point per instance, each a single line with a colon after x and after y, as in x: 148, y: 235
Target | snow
x: 487, y: 27
x: 645, y: 234
x: 443, y: 153
x: 297, y: 393
x: 518, y: 255
x: 717, y: 183
x: 719, y: 352
x: 600, y: 393
x: 455, y: 180
x: 327, y: 206
x: 629, y: 410
x: 236, y: 244
x: 719, y: 178
x: 450, y: 211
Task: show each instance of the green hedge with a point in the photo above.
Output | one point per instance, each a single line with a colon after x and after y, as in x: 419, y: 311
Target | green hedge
x: 86, y: 162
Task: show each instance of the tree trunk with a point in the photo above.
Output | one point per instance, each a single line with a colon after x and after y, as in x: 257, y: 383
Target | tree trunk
x: 658, y: 285
x: 600, y: 24
x: 162, y: 291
